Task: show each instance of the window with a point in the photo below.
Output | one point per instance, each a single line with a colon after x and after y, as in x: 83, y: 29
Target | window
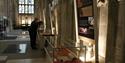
x: 25, y: 13
x: 26, y: 6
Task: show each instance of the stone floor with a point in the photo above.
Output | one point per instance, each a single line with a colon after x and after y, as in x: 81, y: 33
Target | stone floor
x: 24, y: 53
x: 27, y: 55
x: 36, y: 60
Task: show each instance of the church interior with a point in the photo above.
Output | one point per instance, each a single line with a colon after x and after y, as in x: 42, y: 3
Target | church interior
x: 73, y: 31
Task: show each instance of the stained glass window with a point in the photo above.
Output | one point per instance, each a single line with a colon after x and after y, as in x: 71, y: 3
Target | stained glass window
x: 25, y: 12
x: 21, y: 1
x: 26, y: 1
x: 31, y: 8
x: 26, y: 7
x: 30, y: 1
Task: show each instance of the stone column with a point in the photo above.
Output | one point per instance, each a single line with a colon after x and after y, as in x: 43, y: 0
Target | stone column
x: 102, y: 30
x: 120, y: 38
x: 96, y: 30
x: 10, y: 14
x: 111, y: 32
x: 7, y: 10
x: 3, y: 7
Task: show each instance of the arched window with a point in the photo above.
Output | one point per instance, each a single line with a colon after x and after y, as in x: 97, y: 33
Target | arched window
x: 26, y: 7
x: 25, y: 13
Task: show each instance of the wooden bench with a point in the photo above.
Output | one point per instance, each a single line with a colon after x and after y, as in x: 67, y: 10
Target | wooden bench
x: 3, y: 59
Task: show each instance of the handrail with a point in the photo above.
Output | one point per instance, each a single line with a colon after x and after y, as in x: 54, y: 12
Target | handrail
x: 68, y: 48
x: 49, y: 43
x: 62, y: 47
x: 47, y: 53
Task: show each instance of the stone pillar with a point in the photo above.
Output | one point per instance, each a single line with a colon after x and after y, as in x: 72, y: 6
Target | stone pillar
x: 116, y: 32
x: 103, y: 23
x: 6, y: 9
x: 3, y: 8
x: 10, y: 14
x: 111, y: 32
x: 102, y: 30
x: 120, y: 38
x: 39, y: 9
x: 96, y: 30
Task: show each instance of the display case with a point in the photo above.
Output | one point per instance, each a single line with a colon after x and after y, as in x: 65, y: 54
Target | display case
x: 85, y: 18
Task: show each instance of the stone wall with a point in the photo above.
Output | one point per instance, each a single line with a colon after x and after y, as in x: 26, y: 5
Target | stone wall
x: 120, y: 35
x: 7, y: 9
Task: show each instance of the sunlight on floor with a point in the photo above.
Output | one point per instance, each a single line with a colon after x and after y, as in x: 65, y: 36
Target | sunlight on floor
x: 22, y: 48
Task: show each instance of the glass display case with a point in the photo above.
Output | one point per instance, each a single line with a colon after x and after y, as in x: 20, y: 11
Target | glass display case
x: 85, y: 18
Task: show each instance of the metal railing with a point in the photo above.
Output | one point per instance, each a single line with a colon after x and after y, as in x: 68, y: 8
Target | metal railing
x: 61, y: 53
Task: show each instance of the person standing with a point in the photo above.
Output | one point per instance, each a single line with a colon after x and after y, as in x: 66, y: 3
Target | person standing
x: 33, y: 32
